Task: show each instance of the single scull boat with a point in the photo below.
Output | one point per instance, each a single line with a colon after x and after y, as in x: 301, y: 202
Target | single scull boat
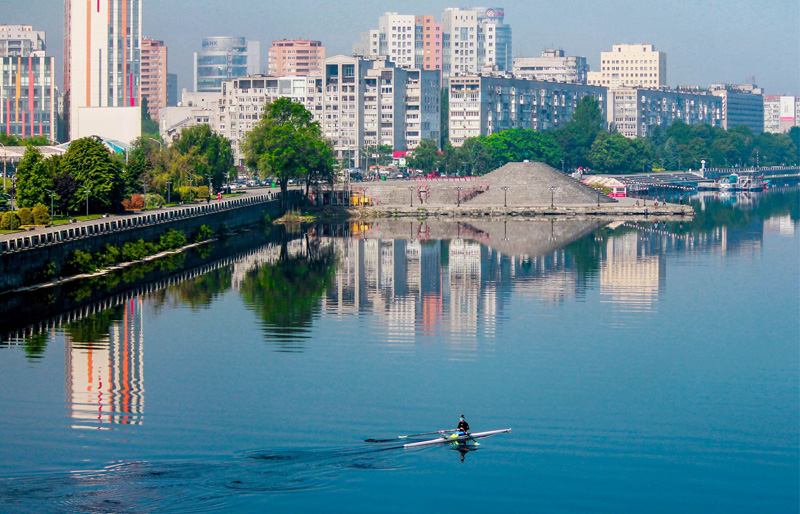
x: 457, y: 438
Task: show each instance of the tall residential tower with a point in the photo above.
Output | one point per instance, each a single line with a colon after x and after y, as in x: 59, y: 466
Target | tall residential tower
x: 102, y: 63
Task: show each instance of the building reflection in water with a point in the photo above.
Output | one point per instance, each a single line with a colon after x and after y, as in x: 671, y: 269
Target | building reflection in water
x: 630, y: 278
x: 105, y: 375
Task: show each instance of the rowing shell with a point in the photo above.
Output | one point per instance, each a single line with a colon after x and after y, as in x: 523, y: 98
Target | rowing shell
x: 457, y: 439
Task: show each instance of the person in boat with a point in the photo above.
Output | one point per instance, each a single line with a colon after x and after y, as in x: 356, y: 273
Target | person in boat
x: 463, y: 426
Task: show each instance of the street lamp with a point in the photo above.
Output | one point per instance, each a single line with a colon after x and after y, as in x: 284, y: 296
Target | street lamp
x: 169, y: 185
x: 505, y: 196
x: 459, y: 188
x: 144, y: 188
x: 411, y: 192
x: 52, y: 213
x: 562, y: 165
x: 4, y: 166
x: 553, y: 197
x: 160, y: 146
x: 86, y: 190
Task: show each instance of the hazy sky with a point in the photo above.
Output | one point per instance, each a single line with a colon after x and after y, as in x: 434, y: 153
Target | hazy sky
x: 706, y: 41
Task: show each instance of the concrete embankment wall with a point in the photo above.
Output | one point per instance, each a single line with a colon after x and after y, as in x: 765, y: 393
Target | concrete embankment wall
x: 23, y: 263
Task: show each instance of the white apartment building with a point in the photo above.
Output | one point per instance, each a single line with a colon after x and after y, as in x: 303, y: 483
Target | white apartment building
x: 482, y: 105
x: 635, y: 112
x: 356, y: 101
x: 630, y: 65
x: 470, y: 39
x: 553, y: 66
x: 781, y: 113
x: 21, y: 41
x: 102, y: 68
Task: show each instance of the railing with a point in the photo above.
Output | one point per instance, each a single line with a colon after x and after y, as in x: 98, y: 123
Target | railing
x: 61, y: 234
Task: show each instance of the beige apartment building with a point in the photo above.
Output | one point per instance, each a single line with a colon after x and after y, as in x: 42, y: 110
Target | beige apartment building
x: 154, y: 75
x: 630, y: 65
x: 295, y: 57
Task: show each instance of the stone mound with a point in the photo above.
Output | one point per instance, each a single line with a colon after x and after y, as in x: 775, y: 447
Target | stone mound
x: 529, y: 185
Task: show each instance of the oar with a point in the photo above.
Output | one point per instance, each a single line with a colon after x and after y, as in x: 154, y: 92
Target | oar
x: 427, y: 433
x: 407, y: 436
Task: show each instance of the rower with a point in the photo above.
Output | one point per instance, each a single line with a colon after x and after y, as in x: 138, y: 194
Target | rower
x: 463, y: 426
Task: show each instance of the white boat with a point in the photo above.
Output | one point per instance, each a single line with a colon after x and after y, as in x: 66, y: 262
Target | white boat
x: 457, y: 438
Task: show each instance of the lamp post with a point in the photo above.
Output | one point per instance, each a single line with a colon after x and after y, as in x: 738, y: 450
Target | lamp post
x: 505, y: 196
x: 459, y: 188
x: 562, y: 165
x: 553, y: 197
x: 144, y: 189
x: 411, y: 194
x: 169, y: 185
x: 4, y: 166
x: 52, y: 212
x: 160, y: 146
x: 86, y: 190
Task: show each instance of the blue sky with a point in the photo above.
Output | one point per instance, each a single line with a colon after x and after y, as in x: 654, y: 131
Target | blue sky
x: 706, y: 41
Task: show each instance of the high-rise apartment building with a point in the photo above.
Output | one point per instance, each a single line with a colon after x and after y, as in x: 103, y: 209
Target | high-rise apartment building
x: 781, y: 113
x: 21, y: 41
x: 102, y: 65
x: 630, y: 65
x: 297, y: 57
x: 154, y: 75
x: 635, y: 112
x: 357, y: 101
x: 485, y: 105
x: 742, y: 104
x: 553, y: 65
x: 428, y: 48
x: 466, y: 41
x: 28, y: 97
x: 474, y: 39
x: 223, y: 59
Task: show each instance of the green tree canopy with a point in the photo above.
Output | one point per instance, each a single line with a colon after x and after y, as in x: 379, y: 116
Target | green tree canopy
x: 425, y: 156
x: 33, y: 179
x: 91, y: 165
x: 286, y: 143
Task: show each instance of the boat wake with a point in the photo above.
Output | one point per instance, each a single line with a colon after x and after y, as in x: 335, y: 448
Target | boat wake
x: 189, y: 486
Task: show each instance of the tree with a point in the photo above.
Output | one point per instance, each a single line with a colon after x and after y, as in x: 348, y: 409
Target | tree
x: 425, y: 156
x: 612, y: 153
x: 66, y: 189
x: 517, y: 145
x: 33, y: 178
x: 578, y: 135
x: 149, y: 125
x: 91, y: 165
x: 207, y: 153
x: 285, y: 143
x: 474, y: 156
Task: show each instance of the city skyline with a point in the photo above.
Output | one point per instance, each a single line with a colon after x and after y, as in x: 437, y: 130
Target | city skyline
x: 706, y: 42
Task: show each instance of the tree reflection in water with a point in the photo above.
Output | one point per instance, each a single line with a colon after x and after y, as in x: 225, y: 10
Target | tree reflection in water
x: 287, y: 295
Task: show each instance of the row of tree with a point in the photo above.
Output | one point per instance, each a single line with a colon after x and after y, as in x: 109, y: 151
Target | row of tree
x: 586, y: 142
x: 90, y: 177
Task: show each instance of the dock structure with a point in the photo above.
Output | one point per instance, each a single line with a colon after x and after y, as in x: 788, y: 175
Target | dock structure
x: 515, y: 189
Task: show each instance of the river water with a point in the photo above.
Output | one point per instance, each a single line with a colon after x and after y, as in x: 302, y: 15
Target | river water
x: 642, y: 367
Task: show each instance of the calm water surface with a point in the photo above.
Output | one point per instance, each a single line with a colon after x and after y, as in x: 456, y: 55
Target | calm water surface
x: 643, y: 368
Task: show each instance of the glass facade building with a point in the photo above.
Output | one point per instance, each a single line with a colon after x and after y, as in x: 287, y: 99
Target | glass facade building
x: 223, y: 59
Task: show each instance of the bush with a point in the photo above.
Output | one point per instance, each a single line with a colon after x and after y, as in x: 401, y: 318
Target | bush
x: 40, y: 215
x: 187, y: 193
x: 10, y: 221
x: 203, y: 233
x: 135, y: 202
x: 172, y: 239
x: 135, y: 251
x: 154, y: 200
x: 202, y: 192
x: 25, y: 216
x: 81, y: 262
x: 109, y: 256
